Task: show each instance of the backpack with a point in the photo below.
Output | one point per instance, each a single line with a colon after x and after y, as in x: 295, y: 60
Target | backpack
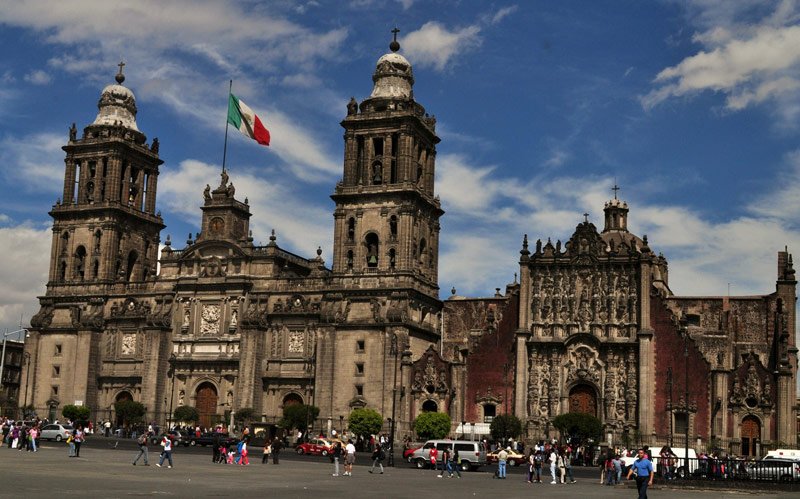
x: 381, y: 455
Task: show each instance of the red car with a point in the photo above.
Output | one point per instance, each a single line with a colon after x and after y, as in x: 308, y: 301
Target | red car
x: 408, y: 453
x: 315, y: 447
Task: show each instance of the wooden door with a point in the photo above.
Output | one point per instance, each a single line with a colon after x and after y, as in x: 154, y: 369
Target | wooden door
x: 751, y: 433
x: 206, y: 403
x: 582, y: 399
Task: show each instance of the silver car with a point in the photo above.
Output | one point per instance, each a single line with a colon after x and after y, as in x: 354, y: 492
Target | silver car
x: 57, y: 432
x: 784, y: 470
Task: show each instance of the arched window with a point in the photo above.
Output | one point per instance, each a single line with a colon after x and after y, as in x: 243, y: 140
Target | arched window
x: 393, y: 227
x: 373, y: 247
x: 96, y: 269
x: 392, y: 258
x: 489, y: 412
x: 351, y: 229
x: 62, y: 271
x: 79, y: 263
x: 430, y: 406
x: 377, y: 173
x: 64, y: 243
x: 132, y: 257
x: 350, y: 260
x: 423, y: 245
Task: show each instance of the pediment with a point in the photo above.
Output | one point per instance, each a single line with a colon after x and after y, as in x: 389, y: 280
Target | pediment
x: 212, y: 249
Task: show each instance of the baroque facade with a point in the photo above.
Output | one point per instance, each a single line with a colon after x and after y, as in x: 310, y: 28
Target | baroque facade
x: 589, y: 326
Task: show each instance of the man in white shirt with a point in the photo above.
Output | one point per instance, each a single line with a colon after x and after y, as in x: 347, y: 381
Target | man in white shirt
x: 553, y: 464
x: 350, y: 458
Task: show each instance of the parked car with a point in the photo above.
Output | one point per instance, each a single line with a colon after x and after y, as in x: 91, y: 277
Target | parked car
x: 315, y: 447
x: 176, y: 436
x: 470, y: 453
x: 57, y: 432
x: 514, y: 457
x: 208, y: 438
x: 408, y: 454
x: 774, y: 470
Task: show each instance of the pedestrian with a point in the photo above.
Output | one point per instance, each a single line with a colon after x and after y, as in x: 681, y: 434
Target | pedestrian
x: 337, y: 456
x: 531, y: 463
x: 245, y: 461
x: 455, y: 462
x: 537, y: 465
x: 568, y: 467
x: 617, y: 469
x: 267, y: 450
x: 166, y: 452
x: 502, y: 458
x: 215, y: 445
x: 276, y: 450
x: 377, y: 458
x: 350, y: 458
x: 33, y: 434
x: 78, y: 438
x: 643, y: 468
x: 107, y: 427
x: 142, y: 443
x: 434, y: 454
x: 71, y: 443
x: 553, y: 465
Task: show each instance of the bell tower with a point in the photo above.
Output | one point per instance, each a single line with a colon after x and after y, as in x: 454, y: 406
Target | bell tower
x: 387, y: 217
x: 105, y: 226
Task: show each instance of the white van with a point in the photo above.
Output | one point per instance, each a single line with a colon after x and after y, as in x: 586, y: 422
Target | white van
x: 680, y: 466
x: 470, y: 453
x: 793, y: 454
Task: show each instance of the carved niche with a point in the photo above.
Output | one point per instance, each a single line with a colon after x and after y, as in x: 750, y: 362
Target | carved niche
x: 210, y: 320
x: 583, y: 364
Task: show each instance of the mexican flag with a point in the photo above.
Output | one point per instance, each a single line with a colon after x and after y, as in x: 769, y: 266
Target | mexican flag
x: 243, y: 118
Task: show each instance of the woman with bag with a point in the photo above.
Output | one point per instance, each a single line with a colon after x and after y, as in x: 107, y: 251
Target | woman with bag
x: 166, y: 443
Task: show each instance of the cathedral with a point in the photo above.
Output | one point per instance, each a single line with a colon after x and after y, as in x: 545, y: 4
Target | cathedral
x: 223, y: 324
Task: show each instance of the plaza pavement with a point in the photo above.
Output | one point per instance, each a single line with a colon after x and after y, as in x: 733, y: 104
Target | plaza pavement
x: 105, y: 472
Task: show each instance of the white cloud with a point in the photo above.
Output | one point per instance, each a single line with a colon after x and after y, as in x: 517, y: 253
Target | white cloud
x: 503, y: 13
x: 23, y: 271
x: 750, y: 62
x: 38, y: 77
x: 434, y: 45
x: 38, y: 160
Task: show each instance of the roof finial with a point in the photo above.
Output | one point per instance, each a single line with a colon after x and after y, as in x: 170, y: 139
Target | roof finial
x: 120, y: 77
x: 615, y: 189
x: 586, y: 218
x: 394, y: 46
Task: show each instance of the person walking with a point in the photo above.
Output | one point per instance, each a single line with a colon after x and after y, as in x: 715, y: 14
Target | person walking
x: 78, y: 439
x: 337, y: 456
x: 377, y: 457
x: 502, y: 458
x: 266, y: 453
x: 142, y: 443
x: 215, y: 444
x: 455, y: 462
x: 537, y: 466
x: 350, y: 458
x: 245, y: 461
x: 276, y: 450
x: 33, y: 435
x: 643, y: 468
x: 567, y: 468
x: 553, y: 465
x: 71, y: 443
x: 166, y: 452
x: 434, y: 455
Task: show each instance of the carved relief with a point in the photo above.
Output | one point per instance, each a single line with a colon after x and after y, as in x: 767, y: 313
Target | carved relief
x: 128, y: 344
x: 209, y: 323
x: 296, y: 341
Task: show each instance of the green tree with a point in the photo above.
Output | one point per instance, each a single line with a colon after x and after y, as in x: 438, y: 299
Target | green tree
x: 578, y: 425
x: 505, y: 426
x: 129, y: 411
x: 298, y: 416
x: 430, y: 425
x: 76, y: 412
x: 247, y: 414
x: 186, y: 414
x: 364, y: 421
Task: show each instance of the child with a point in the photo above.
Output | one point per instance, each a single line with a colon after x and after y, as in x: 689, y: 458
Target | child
x: 223, y: 454
x: 231, y: 455
x: 267, y: 450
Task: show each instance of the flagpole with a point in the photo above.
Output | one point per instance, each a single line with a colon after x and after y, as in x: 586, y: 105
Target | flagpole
x: 227, y: 108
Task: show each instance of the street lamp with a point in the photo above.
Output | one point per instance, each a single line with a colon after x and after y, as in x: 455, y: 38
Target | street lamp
x: 684, y: 327
x: 393, y: 350
x: 172, y: 360
x: 27, y: 357
x: 3, y: 358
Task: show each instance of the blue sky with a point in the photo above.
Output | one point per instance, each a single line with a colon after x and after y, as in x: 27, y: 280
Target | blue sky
x: 691, y: 107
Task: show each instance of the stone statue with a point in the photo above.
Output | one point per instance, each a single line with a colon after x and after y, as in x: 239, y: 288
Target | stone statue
x: 225, y: 178
x: 154, y: 147
x: 352, y: 106
x: 73, y: 132
x: 207, y: 193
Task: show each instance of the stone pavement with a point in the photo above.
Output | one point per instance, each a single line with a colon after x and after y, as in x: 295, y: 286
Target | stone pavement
x: 104, y: 472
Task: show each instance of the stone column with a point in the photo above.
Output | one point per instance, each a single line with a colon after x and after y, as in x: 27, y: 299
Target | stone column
x: 521, y: 375
x: 646, y: 383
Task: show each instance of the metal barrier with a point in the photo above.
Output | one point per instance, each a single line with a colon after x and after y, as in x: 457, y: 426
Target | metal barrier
x: 730, y: 469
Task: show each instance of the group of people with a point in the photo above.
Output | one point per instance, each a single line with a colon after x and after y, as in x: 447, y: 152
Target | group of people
x: 449, y: 462
x: 556, y: 459
x: 21, y: 436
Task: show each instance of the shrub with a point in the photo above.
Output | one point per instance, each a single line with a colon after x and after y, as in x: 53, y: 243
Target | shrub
x: 430, y: 425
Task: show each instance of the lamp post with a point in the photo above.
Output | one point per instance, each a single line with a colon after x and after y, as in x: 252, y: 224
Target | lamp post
x: 27, y: 357
x: 3, y: 357
x: 684, y: 326
x: 393, y: 350
x: 172, y: 360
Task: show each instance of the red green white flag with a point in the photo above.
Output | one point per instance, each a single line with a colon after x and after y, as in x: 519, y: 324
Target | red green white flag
x: 242, y: 117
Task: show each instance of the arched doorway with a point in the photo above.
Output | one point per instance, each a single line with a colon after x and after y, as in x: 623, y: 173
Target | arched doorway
x: 430, y: 406
x: 206, y: 403
x: 582, y: 399
x: 123, y: 396
x: 751, y: 435
x: 292, y: 399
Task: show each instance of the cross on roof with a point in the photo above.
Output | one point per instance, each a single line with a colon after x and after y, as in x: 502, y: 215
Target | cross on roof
x: 615, y: 189
x: 121, y: 65
x: 586, y: 217
x: 394, y: 32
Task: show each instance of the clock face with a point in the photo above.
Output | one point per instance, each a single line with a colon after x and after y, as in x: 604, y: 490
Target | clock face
x: 216, y: 226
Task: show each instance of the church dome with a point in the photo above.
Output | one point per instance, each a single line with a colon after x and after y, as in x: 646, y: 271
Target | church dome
x: 393, y: 76
x: 117, y: 105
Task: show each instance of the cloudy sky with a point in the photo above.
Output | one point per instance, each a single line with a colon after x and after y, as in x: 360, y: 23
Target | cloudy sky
x: 691, y: 107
